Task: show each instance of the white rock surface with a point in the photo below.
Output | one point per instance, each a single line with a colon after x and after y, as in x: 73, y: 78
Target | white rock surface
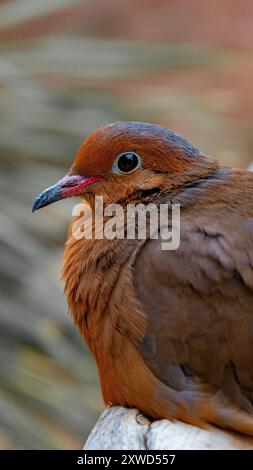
x: 127, y: 429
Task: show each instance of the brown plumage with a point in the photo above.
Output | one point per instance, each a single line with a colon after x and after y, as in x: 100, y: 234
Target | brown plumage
x: 171, y: 331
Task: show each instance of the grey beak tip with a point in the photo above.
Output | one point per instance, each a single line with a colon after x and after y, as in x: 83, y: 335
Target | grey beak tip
x: 35, y: 205
x: 40, y: 201
x: 48, y: 196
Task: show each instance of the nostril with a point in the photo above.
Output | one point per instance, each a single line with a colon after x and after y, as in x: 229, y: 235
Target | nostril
x: 70, y: 183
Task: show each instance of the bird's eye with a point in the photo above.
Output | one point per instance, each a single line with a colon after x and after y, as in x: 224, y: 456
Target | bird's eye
x: 126, y: 162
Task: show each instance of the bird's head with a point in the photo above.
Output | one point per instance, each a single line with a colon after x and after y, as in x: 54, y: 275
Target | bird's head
x: 125, y: 159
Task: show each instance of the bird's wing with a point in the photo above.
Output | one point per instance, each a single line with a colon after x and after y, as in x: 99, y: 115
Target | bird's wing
x: 199, y: 303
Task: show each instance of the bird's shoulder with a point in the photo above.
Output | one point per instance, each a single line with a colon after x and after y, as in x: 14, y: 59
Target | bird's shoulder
x: 216, y: 236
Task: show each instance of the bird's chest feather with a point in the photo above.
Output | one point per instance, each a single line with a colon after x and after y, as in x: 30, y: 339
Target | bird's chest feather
x: 101, y: 298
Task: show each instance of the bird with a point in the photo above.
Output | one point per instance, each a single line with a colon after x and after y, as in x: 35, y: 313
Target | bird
x: 171, y: 331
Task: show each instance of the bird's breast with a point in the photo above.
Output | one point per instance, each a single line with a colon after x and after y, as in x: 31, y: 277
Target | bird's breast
x: 99, y: 289
x: 101, y: 298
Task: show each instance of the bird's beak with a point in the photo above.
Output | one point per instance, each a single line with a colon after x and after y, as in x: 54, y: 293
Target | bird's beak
x: 70, y: 185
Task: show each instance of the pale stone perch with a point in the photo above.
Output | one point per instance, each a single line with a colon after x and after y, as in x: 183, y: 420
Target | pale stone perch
x: 127, y: 429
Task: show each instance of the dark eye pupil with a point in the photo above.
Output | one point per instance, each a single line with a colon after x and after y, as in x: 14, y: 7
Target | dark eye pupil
x: 128, y: 162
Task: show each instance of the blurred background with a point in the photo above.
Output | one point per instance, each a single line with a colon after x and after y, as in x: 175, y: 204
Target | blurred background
x: 67, y: 66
